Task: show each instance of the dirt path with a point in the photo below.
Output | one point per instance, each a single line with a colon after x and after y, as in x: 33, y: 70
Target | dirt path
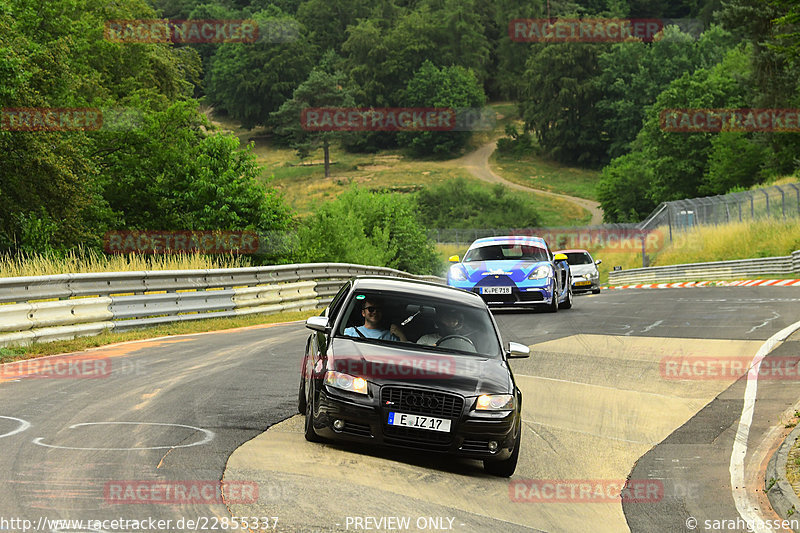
x: 477, y: 163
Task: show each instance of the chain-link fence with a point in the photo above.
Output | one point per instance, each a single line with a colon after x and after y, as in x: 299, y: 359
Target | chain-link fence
x: 778, y: 201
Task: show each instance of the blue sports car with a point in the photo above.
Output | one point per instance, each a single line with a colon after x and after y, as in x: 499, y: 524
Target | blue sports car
x: 514, y: 271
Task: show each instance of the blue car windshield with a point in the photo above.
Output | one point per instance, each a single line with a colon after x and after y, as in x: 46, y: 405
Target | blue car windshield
x: 510, y: 252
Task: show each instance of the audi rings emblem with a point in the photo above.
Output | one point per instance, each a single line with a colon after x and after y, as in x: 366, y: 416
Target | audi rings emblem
x: 418, y: 400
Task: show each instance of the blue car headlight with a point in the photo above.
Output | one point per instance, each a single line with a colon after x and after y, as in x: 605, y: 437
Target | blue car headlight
x: 457, y: 273
x: 541, y: 272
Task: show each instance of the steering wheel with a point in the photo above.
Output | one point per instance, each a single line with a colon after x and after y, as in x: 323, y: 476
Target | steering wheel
x: 462, y: 337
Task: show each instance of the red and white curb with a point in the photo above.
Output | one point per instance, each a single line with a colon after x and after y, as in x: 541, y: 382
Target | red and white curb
x: 738, y: 283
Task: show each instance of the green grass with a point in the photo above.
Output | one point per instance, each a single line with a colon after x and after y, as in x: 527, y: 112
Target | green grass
x: 739, y: 240
x: 78, y: 261
x: 539, y: 173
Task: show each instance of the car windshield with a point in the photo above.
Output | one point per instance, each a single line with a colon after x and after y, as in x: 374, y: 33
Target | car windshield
x: 579, y: 258
x: 427, y: 323
x: 499, y: 252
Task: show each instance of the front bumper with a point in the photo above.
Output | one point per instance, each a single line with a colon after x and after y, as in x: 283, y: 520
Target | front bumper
x: 585, y: 284
x: 533, y: 293
x: 366, y: 421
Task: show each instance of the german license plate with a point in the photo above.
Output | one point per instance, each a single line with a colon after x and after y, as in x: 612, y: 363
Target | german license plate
x: 496, y: 290
x: 581, y: 283
x: 420, y: 422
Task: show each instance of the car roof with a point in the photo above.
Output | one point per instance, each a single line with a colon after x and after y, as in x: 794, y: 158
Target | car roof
x: 510, y: 239
x: 418, y: 288
x: 575, y: 251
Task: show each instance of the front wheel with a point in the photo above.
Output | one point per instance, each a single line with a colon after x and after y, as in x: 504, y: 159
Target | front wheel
x: 310, y: 434
x: 595, y: 291
x: 568, y: 302
x: 553, y: 307
x: 506, y: 467
x: 301, y: 394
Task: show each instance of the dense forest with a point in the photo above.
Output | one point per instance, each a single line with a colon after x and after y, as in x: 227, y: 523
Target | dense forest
x: 588, y: 104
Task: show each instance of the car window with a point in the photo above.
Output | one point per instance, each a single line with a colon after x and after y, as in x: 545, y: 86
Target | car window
x: 369, y: 317
x: 579, y: 258
x: 499, y: 252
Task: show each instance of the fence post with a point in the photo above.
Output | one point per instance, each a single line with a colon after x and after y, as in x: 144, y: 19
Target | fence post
x: 783, y: 203
x: 796, y: 190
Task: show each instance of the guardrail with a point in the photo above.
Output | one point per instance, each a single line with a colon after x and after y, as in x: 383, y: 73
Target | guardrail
x: 65, y: 306
x: 789, y: 264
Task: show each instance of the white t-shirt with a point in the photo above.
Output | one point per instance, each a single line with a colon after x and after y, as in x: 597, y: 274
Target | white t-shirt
x: 383, y: 334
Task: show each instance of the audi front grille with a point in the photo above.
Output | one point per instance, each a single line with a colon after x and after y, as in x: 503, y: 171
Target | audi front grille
x: 422, y: 402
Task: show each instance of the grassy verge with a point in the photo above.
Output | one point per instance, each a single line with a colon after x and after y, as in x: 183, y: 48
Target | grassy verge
x: 84, y: 343
x: 80, y: 261
x: 738, y: 240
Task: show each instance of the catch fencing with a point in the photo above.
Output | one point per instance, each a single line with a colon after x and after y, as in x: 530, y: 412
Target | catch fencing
x: 65, y: 306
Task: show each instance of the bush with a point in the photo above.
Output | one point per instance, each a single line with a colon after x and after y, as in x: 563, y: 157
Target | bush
x: 459, y: 203
x: 369, y: 228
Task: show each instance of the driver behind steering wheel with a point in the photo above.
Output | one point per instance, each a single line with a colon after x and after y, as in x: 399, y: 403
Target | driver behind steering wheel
x: 450, y: 322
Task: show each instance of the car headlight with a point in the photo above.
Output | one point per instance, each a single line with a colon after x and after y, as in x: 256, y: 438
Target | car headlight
x: 346, y: 382
x: 457, y: 273
x: 495, y: 402
x: 542, y: 271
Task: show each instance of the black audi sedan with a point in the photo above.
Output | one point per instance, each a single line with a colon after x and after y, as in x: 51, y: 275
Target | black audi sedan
x: 416, y: 365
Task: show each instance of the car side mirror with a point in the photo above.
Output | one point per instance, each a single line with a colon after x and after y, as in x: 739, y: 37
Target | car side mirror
x: 453, y: 259
x: 319, y: 323
x: 560, y: 257
x: 518, y: 351
x: 598, y: 261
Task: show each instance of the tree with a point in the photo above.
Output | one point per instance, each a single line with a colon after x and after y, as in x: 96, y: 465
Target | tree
x: 634, y: 73
x: 623, y: 189
x: 559, y: 102
x: 328, y: 20
x: 452, y: 87
x: 665, y: 165
x: 173, y: 174
x: 321, y: 89
x: 251, y: 80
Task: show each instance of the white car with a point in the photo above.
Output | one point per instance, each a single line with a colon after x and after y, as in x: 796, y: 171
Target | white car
x: 585, y: 276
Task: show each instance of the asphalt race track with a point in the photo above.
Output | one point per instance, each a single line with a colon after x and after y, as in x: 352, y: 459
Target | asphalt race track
x: 606, y: 397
